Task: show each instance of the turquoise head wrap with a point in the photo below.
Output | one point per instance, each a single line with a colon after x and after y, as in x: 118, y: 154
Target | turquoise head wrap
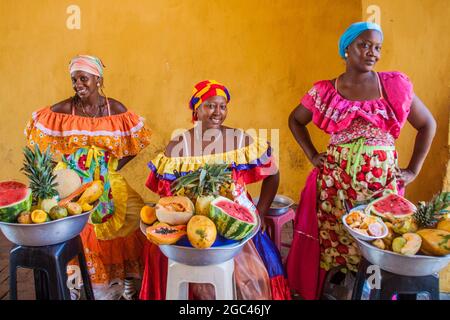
x: 353, y: 32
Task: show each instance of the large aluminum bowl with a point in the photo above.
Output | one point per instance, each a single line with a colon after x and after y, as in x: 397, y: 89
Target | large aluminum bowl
x: 414, y: 266
x: 279, y: 206
x: 47, y: 233
x: 204, y: 257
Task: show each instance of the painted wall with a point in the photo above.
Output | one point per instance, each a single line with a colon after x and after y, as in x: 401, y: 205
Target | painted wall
x: 267, y: 52
x: 414, y: 44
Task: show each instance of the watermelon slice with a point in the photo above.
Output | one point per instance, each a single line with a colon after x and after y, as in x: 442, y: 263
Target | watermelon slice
x: 232, y: 220
x: 15, y: 197
x: 392, y: 204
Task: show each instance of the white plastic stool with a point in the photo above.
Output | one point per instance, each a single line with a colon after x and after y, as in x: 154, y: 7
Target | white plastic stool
x: 220, y: 275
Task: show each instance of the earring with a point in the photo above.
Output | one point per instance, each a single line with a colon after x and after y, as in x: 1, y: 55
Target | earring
x: 346, y: 55
x: 98, y: 84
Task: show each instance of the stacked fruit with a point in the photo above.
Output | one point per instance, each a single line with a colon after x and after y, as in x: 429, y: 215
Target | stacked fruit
x: 425, y: 228
x: 52, y: 194
x: 173, y: 217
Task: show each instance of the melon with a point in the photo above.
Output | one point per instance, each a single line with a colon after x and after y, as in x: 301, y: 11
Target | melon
x: 174, y: 210
x: 15, y: 197
x: 392, y: 205
x: 232, y: 220
x: 68, y: 181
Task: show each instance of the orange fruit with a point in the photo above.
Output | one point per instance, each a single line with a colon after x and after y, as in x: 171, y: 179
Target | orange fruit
x: 38, y: 216
x: 148, y: 214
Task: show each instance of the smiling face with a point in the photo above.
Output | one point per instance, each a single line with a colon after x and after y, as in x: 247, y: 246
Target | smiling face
x: 365, y: 51
x: 213, y: 112
x: 85, y: 84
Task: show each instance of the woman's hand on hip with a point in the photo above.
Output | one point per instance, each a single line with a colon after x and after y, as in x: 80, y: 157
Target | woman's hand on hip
x: 319, y: 159
x: 406, y: 176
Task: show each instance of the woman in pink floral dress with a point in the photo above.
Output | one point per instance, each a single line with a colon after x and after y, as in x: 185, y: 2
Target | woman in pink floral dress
x: 363, y: 111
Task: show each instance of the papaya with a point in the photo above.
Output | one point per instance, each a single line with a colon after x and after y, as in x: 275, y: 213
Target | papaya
x: 444, y: 225
x: 201, y: 232
x: 435, y: 242
x: 162, y: 233
x: 91, y: 194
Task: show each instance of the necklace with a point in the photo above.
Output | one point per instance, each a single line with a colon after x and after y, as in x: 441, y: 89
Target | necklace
x: 98, y: 113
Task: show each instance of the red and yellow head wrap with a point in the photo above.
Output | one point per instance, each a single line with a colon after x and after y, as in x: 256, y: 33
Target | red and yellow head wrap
x: 89, y: 64
x: 205, y: 90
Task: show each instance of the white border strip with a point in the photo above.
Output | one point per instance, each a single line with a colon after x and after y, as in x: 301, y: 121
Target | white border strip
x: 86, y: 132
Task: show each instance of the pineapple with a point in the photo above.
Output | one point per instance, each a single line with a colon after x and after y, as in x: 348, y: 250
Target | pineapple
x: 38, y: 167
x: 429, y: 213
x: 204, y: 185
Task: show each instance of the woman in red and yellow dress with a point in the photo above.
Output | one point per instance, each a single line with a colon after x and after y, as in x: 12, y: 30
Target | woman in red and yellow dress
x: 96, y: 136
x: 259, y: 273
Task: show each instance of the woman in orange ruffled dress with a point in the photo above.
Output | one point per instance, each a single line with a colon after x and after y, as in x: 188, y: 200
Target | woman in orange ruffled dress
x: 96, y: 136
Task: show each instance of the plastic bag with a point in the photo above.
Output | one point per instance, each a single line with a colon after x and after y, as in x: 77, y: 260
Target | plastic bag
x: 251, y: 278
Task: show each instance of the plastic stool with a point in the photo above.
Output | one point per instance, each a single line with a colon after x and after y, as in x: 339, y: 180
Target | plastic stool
x: 275, y: 225
x: 220, y: 275
x: 49, y: 264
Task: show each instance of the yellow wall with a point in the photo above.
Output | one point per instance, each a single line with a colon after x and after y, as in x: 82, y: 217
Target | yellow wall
x: 267, y: 52
x: 416, y: 44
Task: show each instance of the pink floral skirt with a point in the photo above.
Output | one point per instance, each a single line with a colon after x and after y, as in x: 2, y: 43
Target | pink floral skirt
x: 352, y: 174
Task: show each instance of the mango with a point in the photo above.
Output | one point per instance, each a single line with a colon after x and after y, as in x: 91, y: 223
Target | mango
x: 148, y: 214
x: 398, y: 244
x: 408, y: 244
x: 379, y: 244
x: 24, y: 218
x: 413, y: 244
x: 58, y: 212
x: 39, y: 216
x: 73, y: 208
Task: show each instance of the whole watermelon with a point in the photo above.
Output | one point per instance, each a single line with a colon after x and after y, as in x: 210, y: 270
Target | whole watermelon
x: 15, y: 197
x: 232, y: 220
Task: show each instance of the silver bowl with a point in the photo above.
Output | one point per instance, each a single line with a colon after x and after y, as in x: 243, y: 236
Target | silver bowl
x: 279, y: 206
x: 47, y: 233
x: 204, y: 257
x: 414, y: 266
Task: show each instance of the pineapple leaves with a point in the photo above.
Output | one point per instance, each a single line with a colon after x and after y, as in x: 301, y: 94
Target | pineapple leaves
x: 429, y: 213
x: 38, y: 168
x: 206, y: 180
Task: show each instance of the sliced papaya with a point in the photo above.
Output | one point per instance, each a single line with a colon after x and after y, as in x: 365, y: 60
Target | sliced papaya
x: 162, y: 233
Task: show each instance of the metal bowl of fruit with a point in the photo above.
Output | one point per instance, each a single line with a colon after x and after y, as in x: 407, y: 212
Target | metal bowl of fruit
x: 414, y: 265
x: 221, y: 251
x: 46, y: 233
x: 279, y: 205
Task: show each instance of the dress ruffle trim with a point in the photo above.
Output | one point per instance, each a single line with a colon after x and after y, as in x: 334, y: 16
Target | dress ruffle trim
x: 333, y: 113
x: 123, y: 134
x: 257, y: 154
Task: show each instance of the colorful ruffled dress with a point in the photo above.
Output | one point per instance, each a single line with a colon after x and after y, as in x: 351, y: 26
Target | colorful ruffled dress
x: 259, y: 273
x: 92, y: 147
x: 360, y: 165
